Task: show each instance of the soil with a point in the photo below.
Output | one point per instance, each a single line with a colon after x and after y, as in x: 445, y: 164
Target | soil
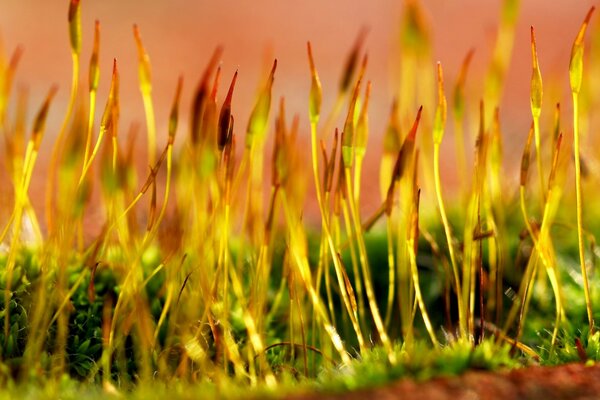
x: 572, y: 381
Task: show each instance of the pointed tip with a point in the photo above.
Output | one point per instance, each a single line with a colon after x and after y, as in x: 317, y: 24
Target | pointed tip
x: 231, y: 88
x: 73, y: 6
x: 586, y: 21
x: 589, y: 15
x: 53, y: 91
x: 365, y: 61
x: 274, y: 67
x: 180, y: 82
x: 311, y: 60
x: 136, y: 32
x: 413, y: 131
x: 361, y: 37
x: 215, y: 88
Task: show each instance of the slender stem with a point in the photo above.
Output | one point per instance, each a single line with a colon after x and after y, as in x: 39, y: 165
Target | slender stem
x: 58, y: 144
x: 586, y: 287
x: 461, y: 159
x: 362, y: 251
x: 150, y: 125
x: 438, y: 192
x: 88, y: 140
x: 391, y: 272
x: 325, y: 225
x: 538, y: 157
x: 419, y: 297
x: 304, y: 269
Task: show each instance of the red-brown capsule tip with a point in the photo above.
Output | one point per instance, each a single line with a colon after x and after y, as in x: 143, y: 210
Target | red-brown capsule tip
x: 363, y: 67
x: 15, y: 58
x: 138, y: 37
x: 225, y: 116
x: 465, y: 67
x: 352, y: 60
x: 581, y: 33
x: 311, y: 60
x: 40, y: 119
x: 534, y: 59
x: 73, y: 6
x: 174, y: 117
x: 272, y: 74
x: 589, y: 15
x: 413, y: 131
x: 200, y: 95
x: 215, y: 87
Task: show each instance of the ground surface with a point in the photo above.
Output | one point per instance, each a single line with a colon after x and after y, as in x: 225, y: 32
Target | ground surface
x: 572, y: 381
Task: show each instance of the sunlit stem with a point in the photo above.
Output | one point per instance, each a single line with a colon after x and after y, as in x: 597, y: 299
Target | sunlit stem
x: 253, y: 334
x: 419, y: 297
x: 438, y: 191
x: 362, y: 251
x: 88, y: 140
x: 578, y: 192
x: 21, y: 197
x: 355, y: 271
x: 115, y: 148
x: 88, y: 164
x: 150, y: 125
x: 539, y: 242
x: 304, y: 269
x: 325, y: 225
x: 59, y: 142
x: 358, y: 162
x: 538, y: 156
x: 461, y: 159
x: 391, y: 271
x: 163, y: 209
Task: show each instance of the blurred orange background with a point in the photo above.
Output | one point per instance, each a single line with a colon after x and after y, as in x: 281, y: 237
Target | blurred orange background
x: 181, y: 35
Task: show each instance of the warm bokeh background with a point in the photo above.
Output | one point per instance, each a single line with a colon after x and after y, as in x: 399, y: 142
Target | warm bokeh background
x: 180, y: 36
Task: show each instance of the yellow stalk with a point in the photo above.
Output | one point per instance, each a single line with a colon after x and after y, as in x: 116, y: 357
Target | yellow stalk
x: 173, y: 121
x: 575, y: 79
x: 415, y: 276
x: 145, y: 77
x: 391, y: 272
x: 458, y: 113
x: 355, y: 271
x: 94, y: 78
x: 296, y: 240
x: 106, y: 123
x: 438, y: 134
x: 360, y: 143
x: 366, y: 270
x: 74, y: 19
x: 314, y: 113
x: 33, y: 147
x: 536, y: 110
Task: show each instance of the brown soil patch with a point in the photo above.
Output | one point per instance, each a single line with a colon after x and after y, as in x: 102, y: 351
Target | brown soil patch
x: 572, y: 381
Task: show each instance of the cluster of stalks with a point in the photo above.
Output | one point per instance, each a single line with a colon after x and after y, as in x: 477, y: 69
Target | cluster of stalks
x: 233, y: 276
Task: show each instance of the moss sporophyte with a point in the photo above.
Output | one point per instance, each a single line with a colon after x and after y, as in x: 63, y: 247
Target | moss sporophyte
x: 206, y: 272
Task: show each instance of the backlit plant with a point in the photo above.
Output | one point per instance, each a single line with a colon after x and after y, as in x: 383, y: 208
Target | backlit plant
x: 196, y: 279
